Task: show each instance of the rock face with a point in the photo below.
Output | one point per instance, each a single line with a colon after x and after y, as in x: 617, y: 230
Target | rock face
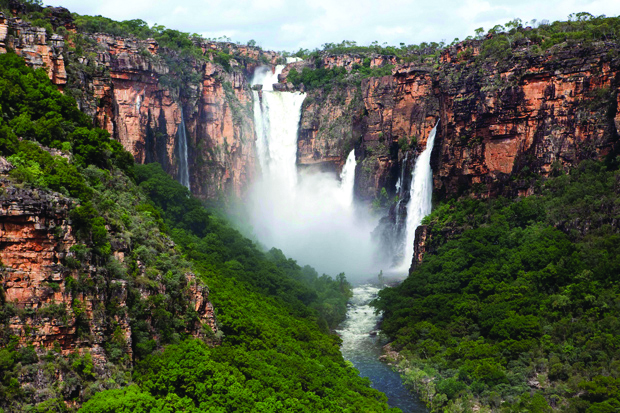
x: 525, y: 116
x: 35, y: 46
x: 36, y: 237
x: 501, y: 122
x: 144, y: 114
x: 130, y: 89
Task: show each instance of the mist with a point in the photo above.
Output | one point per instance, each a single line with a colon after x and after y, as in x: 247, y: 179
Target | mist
x: 310, y: 215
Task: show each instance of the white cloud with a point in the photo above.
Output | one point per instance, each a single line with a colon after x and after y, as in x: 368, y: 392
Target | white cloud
x: 290, y: 24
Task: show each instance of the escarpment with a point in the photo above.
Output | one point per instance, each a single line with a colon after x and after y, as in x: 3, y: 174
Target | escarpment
x: 501, y: 122
x: 141, y: 93
x: 66, y: 300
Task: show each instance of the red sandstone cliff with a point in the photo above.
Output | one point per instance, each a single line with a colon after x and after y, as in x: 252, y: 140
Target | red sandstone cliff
x: 526, y: 115
x: 36, y: 237
x: 68, y: 305
x: 500, y: 121
x: 130, y: 89
x: 145, y: 115
x: 35, y: 46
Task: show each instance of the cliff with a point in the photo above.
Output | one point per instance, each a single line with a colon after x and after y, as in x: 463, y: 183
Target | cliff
x: 145, y: 115
x: 40, y: 50
x: 141, y: 93
x: 63, y: 301
x: 502, y: 122
x: 524, y: 117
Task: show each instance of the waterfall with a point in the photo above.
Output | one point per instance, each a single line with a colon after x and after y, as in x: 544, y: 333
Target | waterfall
x: 347, y: 179
x: 138, y: 104
x: 421, y: 193
x: 308, y: 213
x: 183, y: 165
x: 276, y: 127
x: 400, y: 188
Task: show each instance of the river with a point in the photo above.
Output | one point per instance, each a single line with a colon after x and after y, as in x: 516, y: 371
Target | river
x: 363, y: 350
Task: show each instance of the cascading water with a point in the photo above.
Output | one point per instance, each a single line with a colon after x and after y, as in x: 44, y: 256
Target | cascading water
x: 276, y: 128
x: 421, y: 193
x: 347, y: 179
x: 183, y: 164
x: 400, y: 188
x: 309, y: 214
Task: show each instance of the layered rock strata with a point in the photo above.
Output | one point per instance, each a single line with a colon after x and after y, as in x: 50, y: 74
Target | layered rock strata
x: 502, y: 122
x: 36, y: 237
x: 130, y: 89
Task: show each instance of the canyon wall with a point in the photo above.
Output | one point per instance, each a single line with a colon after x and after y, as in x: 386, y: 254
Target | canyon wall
x: 144, y: 114
x: 136, y: 92
x: 506, y: 122
x: 502, y: 122
x: 72, y: 314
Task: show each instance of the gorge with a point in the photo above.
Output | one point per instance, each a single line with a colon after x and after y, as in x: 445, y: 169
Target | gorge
x: 483, y: 174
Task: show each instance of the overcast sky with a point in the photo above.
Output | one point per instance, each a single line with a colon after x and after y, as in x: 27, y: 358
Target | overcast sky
x: 291, y: 24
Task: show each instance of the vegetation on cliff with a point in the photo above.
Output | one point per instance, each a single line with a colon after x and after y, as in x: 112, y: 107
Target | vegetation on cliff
x: 273, y: 316
x: 515, y: 305
x: 499, y: 43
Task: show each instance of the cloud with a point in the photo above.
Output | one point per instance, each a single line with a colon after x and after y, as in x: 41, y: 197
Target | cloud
x: 291, y: 24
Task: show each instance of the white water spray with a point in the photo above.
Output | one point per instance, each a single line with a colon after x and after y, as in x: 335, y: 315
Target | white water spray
x: 347, y: 180
x: 421, y: 192
x: 138, y: 104
x: 183, y: 167
x: 310, y: 215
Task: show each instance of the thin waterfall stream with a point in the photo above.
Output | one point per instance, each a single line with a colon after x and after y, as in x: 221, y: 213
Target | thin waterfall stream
x: 184, y: 166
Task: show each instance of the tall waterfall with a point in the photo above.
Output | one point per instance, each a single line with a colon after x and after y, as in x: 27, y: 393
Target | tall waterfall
x: 183, y: 164
x: 276, y: 128
x: 309, y: 214
x: 421, y: 192
x: 347, y: 179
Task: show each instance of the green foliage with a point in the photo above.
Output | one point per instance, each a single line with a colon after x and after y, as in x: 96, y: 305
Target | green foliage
x: 32, y: 108
x: 510, y: 289
x: 326, y: 79
x: 401, y: 51
x: 581, y: 28
x: 274, y: 356
x: 192, y: 377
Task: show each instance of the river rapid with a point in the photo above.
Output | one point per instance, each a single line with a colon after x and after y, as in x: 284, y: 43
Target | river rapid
x: 364, y: 349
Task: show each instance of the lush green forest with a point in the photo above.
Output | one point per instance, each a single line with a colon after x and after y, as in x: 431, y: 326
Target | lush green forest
x: 275, y: 351
x: 516, y: 304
